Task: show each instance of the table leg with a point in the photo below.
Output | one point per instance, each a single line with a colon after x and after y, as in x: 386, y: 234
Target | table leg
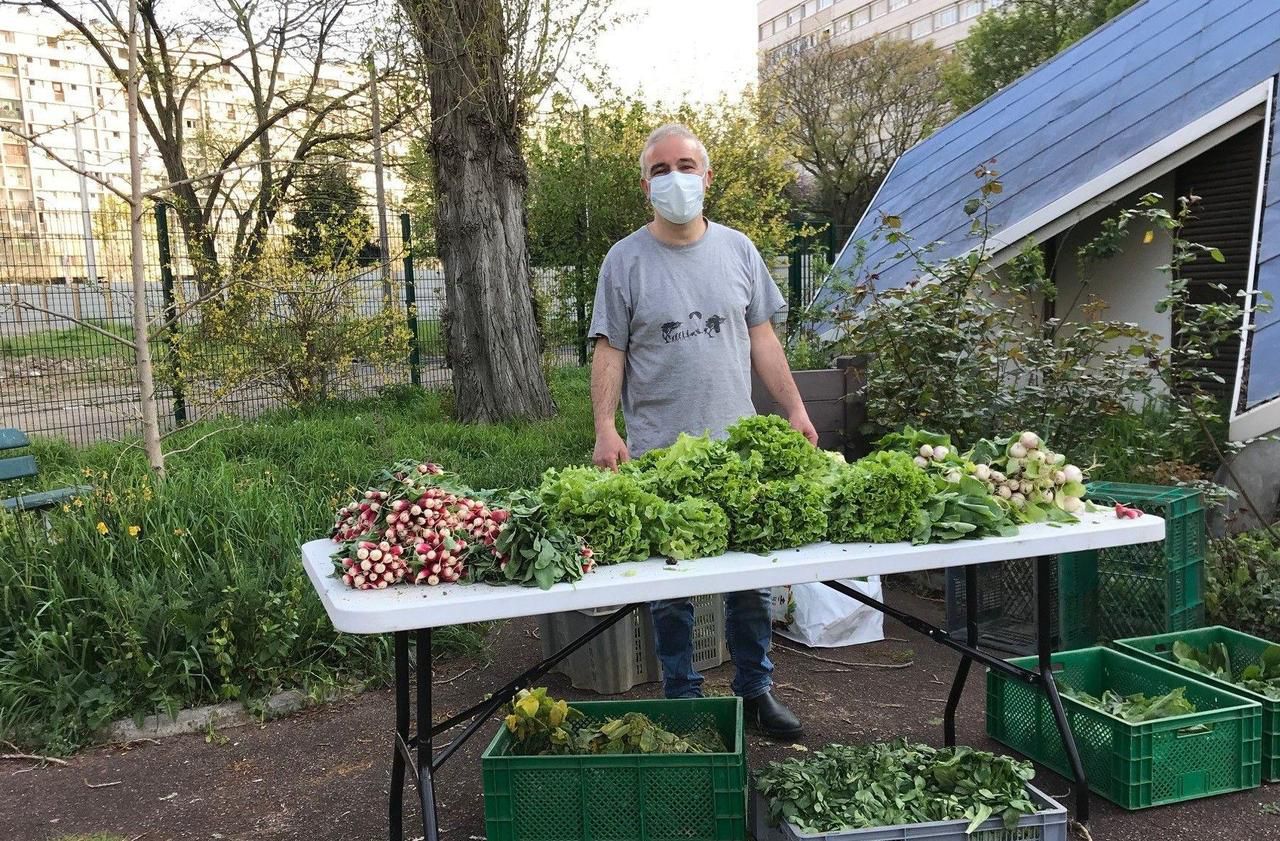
x: 1044, y: 649
x: 396, y: 801
x: 415, y: 755
x: 962, y: 671
x: 423, y: 753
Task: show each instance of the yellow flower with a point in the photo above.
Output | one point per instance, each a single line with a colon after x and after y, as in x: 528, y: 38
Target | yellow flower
x: 134, y: 530
x: 179, y: 532
x: 77, y: 502
x: 66, y: 509
x: 102, y: 527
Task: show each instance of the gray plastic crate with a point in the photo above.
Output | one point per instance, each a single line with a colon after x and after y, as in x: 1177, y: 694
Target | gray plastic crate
x: 1048, y: 823
x: 623, y: 656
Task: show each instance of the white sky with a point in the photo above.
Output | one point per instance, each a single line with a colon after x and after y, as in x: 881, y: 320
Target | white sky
x: 678, y: 49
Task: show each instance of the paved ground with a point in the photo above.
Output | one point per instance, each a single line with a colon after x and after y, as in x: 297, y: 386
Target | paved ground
x: 322, y: 775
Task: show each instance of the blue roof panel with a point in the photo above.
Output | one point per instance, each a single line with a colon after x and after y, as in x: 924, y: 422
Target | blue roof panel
x: 1267, y: 278
x: 1264, y: 366
x: 1145, y: 75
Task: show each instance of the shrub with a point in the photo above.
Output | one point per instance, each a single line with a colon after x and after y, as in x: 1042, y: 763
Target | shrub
x: 1243, y: 580
x: 155, y: 595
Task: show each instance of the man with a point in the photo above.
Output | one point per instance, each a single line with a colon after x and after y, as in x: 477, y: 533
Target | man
x: 683, y: 313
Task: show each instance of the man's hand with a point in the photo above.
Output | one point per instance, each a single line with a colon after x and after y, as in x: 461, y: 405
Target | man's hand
x: 611, y: 451
x: 800, y: 422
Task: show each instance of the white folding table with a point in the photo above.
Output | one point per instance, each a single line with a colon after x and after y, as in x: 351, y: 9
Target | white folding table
x: 404, y: 609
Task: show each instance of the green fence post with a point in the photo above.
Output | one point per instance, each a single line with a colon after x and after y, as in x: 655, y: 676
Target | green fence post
x: 170, y: 310
x: 411, y: 302
x: 795, y: 281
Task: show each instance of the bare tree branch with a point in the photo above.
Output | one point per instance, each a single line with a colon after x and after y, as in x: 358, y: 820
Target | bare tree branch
x: 79, y: 322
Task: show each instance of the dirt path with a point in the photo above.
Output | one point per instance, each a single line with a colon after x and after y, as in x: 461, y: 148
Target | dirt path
x: 322, y: 775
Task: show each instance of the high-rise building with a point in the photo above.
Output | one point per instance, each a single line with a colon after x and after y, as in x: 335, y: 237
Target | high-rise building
x: 788, y: 25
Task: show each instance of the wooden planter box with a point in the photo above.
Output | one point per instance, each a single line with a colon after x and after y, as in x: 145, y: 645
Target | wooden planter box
x: 834, y: 400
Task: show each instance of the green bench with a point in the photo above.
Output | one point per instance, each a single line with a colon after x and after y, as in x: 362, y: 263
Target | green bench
x: 18, y: 467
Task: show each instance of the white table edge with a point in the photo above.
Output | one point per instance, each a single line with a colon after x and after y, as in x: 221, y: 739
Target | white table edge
x: 405, y: 607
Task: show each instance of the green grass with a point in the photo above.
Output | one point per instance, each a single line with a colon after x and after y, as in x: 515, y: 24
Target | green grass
x: 209, y: 601
x: 70, y: 343
x: 1127, y: 446
x: 430, y: 338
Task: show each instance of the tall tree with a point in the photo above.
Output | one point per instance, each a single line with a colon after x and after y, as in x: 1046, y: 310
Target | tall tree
x: 848, y: 112
x: 271, y: 57
x: 488, y: 62
x: 1009, y: 40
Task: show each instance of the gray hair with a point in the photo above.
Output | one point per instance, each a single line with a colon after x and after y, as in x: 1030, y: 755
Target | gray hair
x: 672, y: 130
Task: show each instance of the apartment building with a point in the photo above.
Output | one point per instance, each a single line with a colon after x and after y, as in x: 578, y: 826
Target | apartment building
x: 787, y: 25
x: 54, y: 86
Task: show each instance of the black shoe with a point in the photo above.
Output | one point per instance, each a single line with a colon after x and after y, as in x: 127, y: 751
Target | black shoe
x: 765, y: 714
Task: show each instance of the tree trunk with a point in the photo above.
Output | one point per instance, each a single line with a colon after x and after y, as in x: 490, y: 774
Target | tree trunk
x: 141, y: 326
x: 493, y: 337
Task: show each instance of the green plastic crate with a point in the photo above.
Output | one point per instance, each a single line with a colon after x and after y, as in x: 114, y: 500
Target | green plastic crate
x: 638, y: 797
x: 1148, y: 588
x: 1215, y: 750
x: 1244, y: 650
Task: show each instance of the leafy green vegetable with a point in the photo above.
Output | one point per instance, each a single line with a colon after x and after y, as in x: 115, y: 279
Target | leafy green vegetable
x: 637, y: 733
x: 1135, y: 708
x: 537, y: 551
x: 694, y: 468
x: 694, y: 528
x: 909, y: 440
x: 784, y: 452
x: 844, y: 787
x: 1262, y: 677
x: 778, y: 515
x: 961, y: 511
x: 540, y: 725
x: 876, y: 499
x: 1216, y: 662
x: 618, y: 519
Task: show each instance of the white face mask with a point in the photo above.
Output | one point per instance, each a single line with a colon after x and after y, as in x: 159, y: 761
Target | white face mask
x: 677, y: 196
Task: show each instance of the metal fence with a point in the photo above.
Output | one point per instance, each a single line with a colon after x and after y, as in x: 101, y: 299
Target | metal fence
x: 809, y: 262
x: 66, y: 294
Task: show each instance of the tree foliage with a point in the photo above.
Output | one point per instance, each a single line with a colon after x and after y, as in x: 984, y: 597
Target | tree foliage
x: 272, y: 58
x: 1008, y: 41
x: 846, y: 113
x: 296, y: 324
x: 330, y: 219
x: 585, y: 192
x: 970, y: 351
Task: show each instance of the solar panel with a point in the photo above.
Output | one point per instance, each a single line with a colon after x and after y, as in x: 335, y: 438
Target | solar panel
x: 1149, y: 73
x: 1264, y: 367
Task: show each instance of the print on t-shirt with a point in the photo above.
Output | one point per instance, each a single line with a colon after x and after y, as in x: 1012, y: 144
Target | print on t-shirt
x: 695, y: 326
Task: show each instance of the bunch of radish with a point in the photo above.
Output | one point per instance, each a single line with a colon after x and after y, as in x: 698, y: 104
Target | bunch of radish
x: 420, y: 531
x: 1033, y: 476
x: 931, y: 456
x: 373, y: 566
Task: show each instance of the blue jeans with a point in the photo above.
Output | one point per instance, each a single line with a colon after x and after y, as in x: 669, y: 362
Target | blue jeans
x: 748, y: 631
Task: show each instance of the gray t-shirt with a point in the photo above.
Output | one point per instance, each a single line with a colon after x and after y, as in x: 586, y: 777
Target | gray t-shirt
x: 681, y: 314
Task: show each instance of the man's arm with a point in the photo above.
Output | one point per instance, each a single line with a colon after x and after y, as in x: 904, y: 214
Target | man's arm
x: 770, y: 362
x: 607, y: 367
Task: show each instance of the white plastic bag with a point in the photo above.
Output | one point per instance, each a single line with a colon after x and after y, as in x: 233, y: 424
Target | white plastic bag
x: 818, y: 616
